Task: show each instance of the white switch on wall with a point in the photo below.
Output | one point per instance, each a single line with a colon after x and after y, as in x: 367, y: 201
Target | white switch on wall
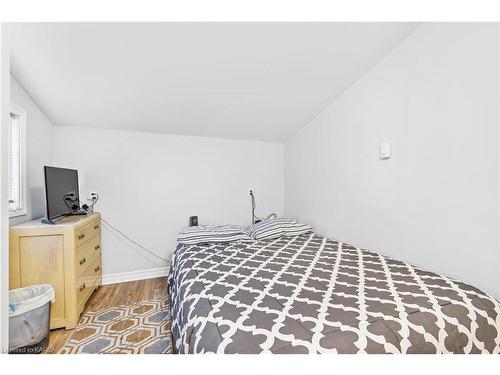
x: 384, y: 151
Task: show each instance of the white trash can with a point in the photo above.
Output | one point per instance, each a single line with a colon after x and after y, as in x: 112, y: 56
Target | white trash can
x: 29, y: 318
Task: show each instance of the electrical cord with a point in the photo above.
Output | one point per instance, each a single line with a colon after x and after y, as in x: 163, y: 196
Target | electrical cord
x: 134, y: 242
x: 253, y: 209
x: 270, y: 216
x: 94, y: 198
x: 74, y: 202
x: 127, y: 237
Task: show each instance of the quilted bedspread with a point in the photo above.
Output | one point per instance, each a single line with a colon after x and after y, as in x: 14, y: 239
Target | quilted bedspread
x: 311, y: 294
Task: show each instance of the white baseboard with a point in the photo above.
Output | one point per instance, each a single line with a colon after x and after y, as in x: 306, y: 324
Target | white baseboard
x: 121, y: 277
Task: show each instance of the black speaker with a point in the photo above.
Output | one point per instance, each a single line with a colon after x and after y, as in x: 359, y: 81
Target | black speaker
x: 193, y: 221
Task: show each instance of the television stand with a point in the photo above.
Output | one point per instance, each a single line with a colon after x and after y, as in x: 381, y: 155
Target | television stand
x: 79, y: 212
x: 66, y: 255
x: 51, y: 222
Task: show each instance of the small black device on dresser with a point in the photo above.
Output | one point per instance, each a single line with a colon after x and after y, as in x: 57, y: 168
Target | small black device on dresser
x: 193, y: 221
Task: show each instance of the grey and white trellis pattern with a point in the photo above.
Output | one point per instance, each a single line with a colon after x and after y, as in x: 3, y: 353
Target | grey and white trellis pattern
x: 310, y: 294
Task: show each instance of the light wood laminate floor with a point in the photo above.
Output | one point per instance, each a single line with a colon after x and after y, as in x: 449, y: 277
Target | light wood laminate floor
x: 112, y: 296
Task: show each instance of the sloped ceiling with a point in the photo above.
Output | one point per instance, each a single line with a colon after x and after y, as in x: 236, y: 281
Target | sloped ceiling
x: 258, y: 81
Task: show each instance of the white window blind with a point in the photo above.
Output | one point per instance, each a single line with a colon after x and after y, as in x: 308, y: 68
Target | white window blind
x: 15, y: 203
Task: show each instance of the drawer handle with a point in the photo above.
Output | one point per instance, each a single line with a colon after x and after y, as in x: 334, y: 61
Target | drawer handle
x: 82, y: 260
x: 96, y: 247
x: 82, y: 287
x: 81, y: 236
x: 96, y: 226
x: 97, y: 268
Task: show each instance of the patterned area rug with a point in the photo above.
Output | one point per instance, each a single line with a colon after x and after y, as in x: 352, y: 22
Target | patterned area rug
x: 141, y: 328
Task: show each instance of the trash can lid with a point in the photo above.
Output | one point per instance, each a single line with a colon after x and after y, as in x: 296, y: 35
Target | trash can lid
x: 29, y: 298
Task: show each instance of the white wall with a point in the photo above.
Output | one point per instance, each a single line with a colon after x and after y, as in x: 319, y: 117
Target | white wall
x: 38, y: 151
x: 151, y: 183
x: 435, y: 203
x: 4, y: 187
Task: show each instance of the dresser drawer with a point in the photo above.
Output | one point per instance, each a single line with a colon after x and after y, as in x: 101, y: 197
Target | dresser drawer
x: 87, y: 282
x: 87, y: 232
x: 87, y: 254
x: 67, y: 256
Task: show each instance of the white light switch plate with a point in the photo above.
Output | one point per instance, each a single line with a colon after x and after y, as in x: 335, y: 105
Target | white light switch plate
x: 384, y: 151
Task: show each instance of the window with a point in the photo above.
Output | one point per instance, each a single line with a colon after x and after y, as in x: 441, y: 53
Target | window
x: 17, y: 161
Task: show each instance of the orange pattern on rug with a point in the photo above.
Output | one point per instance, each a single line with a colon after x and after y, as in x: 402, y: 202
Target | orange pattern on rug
x: 141, y: 328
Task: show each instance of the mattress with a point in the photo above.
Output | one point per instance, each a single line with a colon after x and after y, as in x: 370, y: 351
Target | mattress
x: 311, y: 294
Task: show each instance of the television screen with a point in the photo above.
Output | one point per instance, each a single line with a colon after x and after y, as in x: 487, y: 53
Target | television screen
x: 60, y: 183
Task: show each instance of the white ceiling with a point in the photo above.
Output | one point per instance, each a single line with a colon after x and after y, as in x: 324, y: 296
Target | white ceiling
x: 260, y: 81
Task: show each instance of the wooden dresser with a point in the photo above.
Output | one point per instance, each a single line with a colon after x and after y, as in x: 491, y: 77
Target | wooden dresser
x: 66, y: 255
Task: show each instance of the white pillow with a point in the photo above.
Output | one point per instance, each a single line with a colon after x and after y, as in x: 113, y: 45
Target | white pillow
x: 282, y: 226
x: 211, y: 233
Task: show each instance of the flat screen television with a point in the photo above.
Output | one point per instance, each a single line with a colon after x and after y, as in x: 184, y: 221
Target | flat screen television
x: 61, y: 192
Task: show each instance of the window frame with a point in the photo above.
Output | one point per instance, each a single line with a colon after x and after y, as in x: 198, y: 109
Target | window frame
x: 20, y: 112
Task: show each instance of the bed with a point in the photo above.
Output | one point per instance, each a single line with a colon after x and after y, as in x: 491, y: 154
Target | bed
x: 310, y: 294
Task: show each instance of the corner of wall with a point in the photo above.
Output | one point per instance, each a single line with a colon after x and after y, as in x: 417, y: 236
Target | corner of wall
x: 498, y: 155
x: 4, y: 215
